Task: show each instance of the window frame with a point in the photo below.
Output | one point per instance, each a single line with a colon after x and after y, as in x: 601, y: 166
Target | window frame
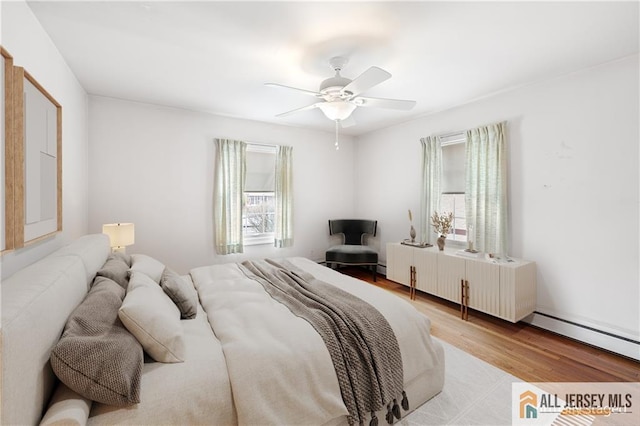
x: 264, y: 237
x: 448, y: 140
x: 464, y: 230
x: 258, y: 237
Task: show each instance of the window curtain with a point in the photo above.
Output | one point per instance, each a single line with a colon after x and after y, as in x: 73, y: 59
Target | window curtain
x: 229, y: 195
x: 284, y: 197
x: 486, y: 188
x: 431, y: 183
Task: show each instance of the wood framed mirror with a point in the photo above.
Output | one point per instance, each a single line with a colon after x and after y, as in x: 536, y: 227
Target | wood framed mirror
x: 37, y: 161
x: 31, y: 159
x: 7, y: 130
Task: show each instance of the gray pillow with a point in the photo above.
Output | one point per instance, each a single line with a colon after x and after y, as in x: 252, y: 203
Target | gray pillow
x: 124, y: 256
x: 116, y: 269
x: 96, y: 356
x: 181, y: 292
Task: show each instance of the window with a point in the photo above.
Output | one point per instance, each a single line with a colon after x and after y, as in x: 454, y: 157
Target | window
x: 258, y: 218
x: 258, y: 214
x: 453, y: 183
x: 455, y: 203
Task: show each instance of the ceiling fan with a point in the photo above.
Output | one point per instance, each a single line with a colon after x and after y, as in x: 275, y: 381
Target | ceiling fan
x: 339, y: 96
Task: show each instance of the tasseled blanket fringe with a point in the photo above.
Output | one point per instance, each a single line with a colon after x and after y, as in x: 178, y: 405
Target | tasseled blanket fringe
x: 393, y: 411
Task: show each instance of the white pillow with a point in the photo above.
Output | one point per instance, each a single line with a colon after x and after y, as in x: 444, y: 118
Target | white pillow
x: 153, y: 319
x: 148, y: 265
x: 67, y: 408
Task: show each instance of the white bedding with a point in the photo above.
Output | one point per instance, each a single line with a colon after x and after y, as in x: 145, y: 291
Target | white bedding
x: 196, y: 391
x: 250, y: 361
x: 37, y: 301
x: 279, y: 368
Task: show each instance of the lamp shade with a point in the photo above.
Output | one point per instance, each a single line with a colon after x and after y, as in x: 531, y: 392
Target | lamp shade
x: 337, y: 110
x: 120, y: 234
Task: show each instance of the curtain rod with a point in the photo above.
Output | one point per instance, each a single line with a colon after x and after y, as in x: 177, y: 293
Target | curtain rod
x: 262, y: 144
x: 449, y: 134
x: 261, y: 148
x: 254, y: 143
x: 462, y: 132
x: 461, y: 137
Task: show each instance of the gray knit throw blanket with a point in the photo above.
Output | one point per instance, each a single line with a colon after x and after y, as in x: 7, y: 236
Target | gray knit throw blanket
x: 362, y: 345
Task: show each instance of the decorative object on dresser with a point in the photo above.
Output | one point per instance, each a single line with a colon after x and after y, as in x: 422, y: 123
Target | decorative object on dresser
x: 470, y: 238
x: 442, y: 225
x: 416, y: 244
x: 412, y: 231
x: 503, y: 287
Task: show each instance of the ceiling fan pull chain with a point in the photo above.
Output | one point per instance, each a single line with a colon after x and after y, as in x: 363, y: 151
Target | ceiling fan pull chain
x: 337, y: 145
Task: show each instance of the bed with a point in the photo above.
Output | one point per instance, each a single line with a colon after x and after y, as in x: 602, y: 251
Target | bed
x: 246, y: 358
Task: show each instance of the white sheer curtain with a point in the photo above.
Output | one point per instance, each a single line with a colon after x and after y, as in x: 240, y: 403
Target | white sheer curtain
x: 284, y: 197
x: 486, y: 188
x: 229, y: 195
x: 431, y: 184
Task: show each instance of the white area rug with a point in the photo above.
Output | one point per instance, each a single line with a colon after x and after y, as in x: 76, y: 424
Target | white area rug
x: 474, y: 393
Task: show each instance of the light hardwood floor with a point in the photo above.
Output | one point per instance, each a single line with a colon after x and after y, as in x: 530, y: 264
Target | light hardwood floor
x: 527, y: 352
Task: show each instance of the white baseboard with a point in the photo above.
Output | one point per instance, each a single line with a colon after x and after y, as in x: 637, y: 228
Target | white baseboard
x: 587, y: 335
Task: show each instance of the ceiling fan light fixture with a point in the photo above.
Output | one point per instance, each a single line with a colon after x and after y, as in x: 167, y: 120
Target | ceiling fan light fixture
x: 337, y: 110
x: 339, y: 96
x: 334, y: 84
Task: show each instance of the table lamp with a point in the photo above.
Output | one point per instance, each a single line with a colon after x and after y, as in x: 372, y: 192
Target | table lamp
x: 120, y: 235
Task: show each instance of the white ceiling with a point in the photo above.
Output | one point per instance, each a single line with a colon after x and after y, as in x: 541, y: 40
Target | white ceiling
x: 216, y: 56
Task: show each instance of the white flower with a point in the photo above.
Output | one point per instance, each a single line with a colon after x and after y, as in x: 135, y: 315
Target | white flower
x: 442, y: 223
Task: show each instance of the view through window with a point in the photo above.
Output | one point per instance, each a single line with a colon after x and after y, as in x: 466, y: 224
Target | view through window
x: 258, y: 214
x: 455, y: 203
x: 453, y: 183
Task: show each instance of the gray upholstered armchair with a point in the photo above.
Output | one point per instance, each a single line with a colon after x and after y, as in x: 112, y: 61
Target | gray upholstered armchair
x: 353, y: 251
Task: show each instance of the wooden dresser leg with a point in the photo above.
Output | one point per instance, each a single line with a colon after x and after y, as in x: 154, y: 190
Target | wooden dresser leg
x: 464, y: 300
x: 412, y: 282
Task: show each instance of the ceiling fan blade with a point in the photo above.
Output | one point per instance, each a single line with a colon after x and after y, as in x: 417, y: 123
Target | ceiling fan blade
x: 384, y: 103
x: 307, y: 92
x: 284, y: 114
x: 348, y: 122
x: 366, y: 80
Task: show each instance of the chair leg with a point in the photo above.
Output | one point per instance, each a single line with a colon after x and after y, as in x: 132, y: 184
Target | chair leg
x: 375, y: 272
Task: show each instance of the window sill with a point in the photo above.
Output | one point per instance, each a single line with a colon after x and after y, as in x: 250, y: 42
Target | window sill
x: 256, y: 241
x: 456, y: 244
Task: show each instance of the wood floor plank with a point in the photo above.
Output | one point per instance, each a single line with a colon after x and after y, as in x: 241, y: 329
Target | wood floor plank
x: 527, y: 352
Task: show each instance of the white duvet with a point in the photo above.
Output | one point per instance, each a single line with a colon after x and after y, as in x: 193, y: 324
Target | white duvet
x: 279, y: 368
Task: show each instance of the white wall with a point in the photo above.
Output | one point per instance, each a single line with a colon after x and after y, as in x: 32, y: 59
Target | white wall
x: 154, y: 166
x: 31, y: 48
x: 573, y: 187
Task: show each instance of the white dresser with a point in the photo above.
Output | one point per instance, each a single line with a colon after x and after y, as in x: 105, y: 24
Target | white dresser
x: 504, y: 289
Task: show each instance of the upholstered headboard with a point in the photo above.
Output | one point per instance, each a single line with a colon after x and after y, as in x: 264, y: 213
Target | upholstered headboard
x: 36, y: 302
